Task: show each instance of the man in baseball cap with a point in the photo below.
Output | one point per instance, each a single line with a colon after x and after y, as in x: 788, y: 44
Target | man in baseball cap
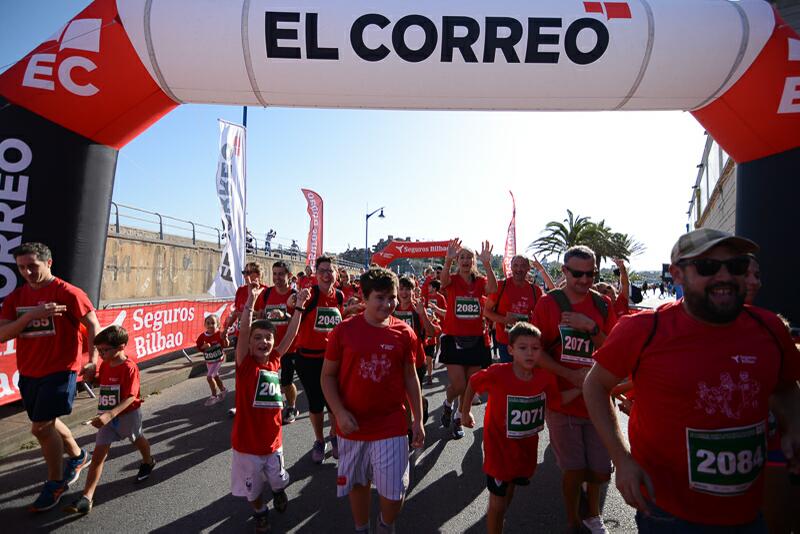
x: 706, y: 370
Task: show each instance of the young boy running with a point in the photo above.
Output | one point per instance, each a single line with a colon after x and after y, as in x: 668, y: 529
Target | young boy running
x: 118, y: 415
x: 257, y: 436
x: 210, y: 343
x: 518, y: 398
x: 367, y: 376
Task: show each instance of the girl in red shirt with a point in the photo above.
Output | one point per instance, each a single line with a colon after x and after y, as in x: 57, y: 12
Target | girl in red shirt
x: 463, y: 349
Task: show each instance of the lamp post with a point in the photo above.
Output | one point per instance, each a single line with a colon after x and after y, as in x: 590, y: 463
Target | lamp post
x: 366, y: 238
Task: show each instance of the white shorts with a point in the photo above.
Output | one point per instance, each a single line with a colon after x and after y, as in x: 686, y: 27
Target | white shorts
x: 385, y: 461
x: 126, y: 426
x: 249, y: 473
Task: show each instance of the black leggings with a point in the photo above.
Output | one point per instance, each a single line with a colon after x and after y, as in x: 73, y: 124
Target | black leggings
x: 310, y: 372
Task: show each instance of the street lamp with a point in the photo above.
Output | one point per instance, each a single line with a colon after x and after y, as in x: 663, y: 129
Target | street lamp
x: 366, y: 239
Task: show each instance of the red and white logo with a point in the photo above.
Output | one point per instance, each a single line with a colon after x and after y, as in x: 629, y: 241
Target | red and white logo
x: 612, y: 10
x: 70, y: 65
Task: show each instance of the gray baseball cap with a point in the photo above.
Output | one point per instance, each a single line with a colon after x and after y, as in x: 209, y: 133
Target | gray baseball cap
x: 702, y: 240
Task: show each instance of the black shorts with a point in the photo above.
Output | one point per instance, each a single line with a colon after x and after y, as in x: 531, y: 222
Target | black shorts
x: 469, y: 351
x: 310, y: 372
x: 500, y: 488
x: 287, y: 369
x: 430, y: 351
x: 49, y: 396
x: 421, y: 371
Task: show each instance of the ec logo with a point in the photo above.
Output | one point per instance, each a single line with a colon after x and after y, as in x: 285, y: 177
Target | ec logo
x: 83, y: 34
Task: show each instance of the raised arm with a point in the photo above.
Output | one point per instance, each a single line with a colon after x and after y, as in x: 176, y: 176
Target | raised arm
x: 243, y: 344
x: 548, y: 282
x: 486, y: 258
x: 294, y: 325
x: 624, y: 282
x: 452, y: 251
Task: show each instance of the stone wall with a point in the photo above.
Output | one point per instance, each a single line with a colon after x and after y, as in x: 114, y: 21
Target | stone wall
x: 140, y: 266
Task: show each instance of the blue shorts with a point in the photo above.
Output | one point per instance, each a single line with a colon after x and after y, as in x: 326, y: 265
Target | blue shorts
x: 49, y: 396
x: 502, y: 350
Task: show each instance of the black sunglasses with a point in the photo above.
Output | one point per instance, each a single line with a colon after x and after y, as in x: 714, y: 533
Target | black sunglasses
x: 708, y: 267
x: 578, y: 274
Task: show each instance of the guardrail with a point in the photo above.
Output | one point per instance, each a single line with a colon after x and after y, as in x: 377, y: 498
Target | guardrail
x: 158, y: 222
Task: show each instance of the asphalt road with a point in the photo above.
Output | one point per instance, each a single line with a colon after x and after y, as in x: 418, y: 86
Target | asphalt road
x: 189, y: 490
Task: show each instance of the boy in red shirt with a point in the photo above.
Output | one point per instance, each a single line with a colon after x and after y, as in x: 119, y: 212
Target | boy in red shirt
x: 257, y: 436
x: 519, y: 394
x: 210, y: 343
x: 367, y: 376
x: 118, y: 415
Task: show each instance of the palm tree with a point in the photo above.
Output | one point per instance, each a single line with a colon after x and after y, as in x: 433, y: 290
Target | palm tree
x: 559, y: 236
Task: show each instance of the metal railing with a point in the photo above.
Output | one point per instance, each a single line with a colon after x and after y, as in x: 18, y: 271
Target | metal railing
x: 133, y: 217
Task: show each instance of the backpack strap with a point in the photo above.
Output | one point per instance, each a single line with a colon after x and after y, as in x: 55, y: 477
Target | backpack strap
x: 312, y: 302
x: 500, y: 295
x: 599, y: 303
x: 339, y: 297
x: 646, y: 342
x: 561, y: 299
x: 267, y: 293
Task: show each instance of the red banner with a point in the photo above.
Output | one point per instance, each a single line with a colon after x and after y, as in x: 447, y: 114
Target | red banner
x: 511, y: 239
x: 314, y: 244
x: 410, y: 249
x: 153, y: 329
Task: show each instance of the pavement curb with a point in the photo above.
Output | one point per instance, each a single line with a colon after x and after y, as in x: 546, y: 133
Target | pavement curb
x: 15, y: 432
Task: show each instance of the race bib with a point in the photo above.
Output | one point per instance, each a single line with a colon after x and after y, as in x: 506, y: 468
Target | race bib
x: 468, y: 308
x: 108, y: 397
x: 276, y: 313
x: 38, y: 327
x: 268, y: 390
x: 524, y: 415
x: 576, y: 346
x: 214, y: 354
x: 405, y: 316
x: 517, y: 318
x: 727, y: 461
x: 326, y: 319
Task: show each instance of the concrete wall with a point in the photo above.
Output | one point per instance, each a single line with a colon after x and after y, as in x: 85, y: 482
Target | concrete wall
x: 140, y: 266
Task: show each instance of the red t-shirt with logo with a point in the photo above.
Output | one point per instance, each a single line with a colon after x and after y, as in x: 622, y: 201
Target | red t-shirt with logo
x: 699, y: 423
x: 518, y: 300
x: 514, y: 417
x: 317, y: 324
x: 371, y: 376
x: 278, y: 302
x: 51, y: 344
x: 214, y: 354
x: 464, y: 315
x: 257, y: 425
x: 547, y: 317
x: 117, y: 383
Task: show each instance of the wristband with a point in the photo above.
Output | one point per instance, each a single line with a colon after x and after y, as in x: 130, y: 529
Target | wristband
x: 301, y: 310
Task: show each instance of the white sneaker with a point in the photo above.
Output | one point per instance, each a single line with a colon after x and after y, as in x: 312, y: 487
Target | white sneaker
x: 212, y: 400
x: 595, y: 525
x: 222, y: 394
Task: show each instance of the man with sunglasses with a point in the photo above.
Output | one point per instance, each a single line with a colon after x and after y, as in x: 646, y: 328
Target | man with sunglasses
x: 575, y: 321
x: 706, y: 369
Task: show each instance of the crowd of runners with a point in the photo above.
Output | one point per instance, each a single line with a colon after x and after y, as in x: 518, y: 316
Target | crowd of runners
x: 710, y: 382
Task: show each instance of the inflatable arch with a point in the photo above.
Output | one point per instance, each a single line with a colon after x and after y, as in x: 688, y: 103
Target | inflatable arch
x: 118, y: 66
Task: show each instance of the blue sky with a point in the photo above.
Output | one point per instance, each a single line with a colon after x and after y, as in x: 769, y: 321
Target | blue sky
x: 439, y: 174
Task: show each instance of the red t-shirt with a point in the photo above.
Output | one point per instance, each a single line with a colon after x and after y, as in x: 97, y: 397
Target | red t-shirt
x: 405, y: 314
x: 257, y: 425
x: 306, y: 282
x: 213, y: 354
x: 430, y: 341
x: 514, y: 417
x: 547, y: 317
x: 348, y: 290
x: 425, y: 287
x: 242, y: 293
x: 514, y: 299
x: 276, y: 301
x: 699, y: 423
x: 371, y: 377
x: 464, y: 315
x: 438, y: 299
x: 117, y: 383
x: 51, y: 344
x: 621, y: 307
x: 317, y: 324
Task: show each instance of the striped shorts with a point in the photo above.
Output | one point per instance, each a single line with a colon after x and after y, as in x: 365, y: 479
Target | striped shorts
x: 384, y: 461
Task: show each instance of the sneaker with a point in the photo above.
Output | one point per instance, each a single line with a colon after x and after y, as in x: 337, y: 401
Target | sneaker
x: 318, y: 451
x: 232, y: 412
x: 50, y: 495
x: 144, y: 471
x: 335, y: 447
x: 280, y: 501
x: 477, y: 400
x: 595, y: 525
x: 289, y: 415
x: 221, y: 396
x: 74, y: 466
x: 79, y: 506
x: 262, y: 522
x: 447, y: 415
x: 458, y: 432
x: 211, y: 401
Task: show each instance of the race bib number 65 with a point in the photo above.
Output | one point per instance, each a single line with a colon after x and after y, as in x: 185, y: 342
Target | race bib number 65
x: 726, y: 461
x: 38, y: 327
x: 524, y: 415
x: 108, y: 397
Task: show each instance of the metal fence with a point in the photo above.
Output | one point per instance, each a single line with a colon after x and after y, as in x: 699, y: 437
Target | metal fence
x: 167, y: 226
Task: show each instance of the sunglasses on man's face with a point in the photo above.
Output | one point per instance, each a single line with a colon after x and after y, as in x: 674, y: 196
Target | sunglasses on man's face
x: 579, y: 274
x: 709, y: 267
